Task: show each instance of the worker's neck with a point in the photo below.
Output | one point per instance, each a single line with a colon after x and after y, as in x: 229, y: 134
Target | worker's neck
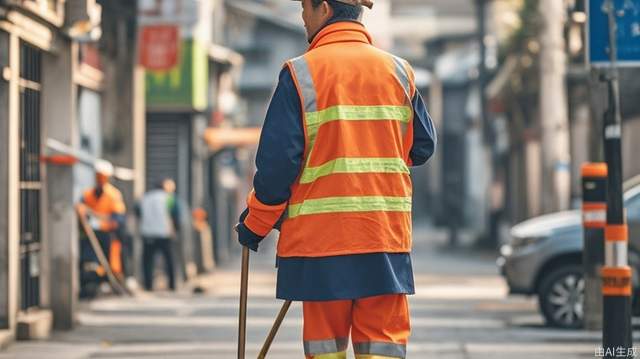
x: 331, y: 22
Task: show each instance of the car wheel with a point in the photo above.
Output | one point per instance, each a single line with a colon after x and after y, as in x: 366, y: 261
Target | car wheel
x: 561, y: 297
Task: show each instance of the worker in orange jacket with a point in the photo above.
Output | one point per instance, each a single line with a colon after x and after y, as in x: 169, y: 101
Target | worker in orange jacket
x: 105, y: 210
x: 343, y: 127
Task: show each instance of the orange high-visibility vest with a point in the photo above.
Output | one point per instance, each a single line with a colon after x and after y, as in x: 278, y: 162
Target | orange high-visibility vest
x: 109, y: 203
x: 354, y: 192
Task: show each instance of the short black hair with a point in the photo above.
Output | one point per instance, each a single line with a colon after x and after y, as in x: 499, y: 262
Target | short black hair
x: 341, y: 11
x: 159, y: 184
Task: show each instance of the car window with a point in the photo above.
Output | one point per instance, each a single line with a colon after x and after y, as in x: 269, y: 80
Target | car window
x: 633, y: 208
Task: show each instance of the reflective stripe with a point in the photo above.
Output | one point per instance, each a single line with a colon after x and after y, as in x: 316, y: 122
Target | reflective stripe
x: 402, y: 75
x: 354, y: 165
x: 405, y: 81
x: 597, y: 215
x: 330, y: 346
x: 615, y: 253
x: 355, y: 113
x: 373, y: 356
x: 340, y: 355
x: 350, y: 204
x: 301, y: 68
x: 379, y: 348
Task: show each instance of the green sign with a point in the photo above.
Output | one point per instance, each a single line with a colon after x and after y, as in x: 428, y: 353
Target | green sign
x: 185, y: 86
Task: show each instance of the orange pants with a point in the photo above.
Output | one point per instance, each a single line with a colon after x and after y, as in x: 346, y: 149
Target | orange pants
x: 379, y: 327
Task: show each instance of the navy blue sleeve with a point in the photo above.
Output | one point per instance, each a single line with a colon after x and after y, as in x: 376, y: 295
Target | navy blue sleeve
x: 281, y: 148
x: 424, y: 133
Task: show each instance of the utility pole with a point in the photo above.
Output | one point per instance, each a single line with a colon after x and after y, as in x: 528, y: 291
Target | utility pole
x: 556, y: 175
x: 488, y: 238
x: 616, y: 275
x: 482, y: 68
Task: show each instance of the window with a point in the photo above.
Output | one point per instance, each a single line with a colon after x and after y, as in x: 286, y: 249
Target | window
x: 89, y: 135
x: 30, y: 175
x: 49, y: 10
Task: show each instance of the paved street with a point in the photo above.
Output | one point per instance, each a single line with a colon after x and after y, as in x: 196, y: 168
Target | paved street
x: 460, y: 311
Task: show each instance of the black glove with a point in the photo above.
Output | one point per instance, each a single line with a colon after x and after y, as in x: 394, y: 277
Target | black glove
x: 243, y: 215
x: 245, y: 236
x: 248, y: 238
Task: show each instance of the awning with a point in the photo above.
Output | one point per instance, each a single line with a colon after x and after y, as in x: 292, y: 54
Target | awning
x: 225, y: 55
x: 56, y: 148
x: 218, y: 138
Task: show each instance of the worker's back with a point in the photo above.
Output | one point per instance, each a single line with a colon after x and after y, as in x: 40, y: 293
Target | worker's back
x: 155, y: 214
x: 344, y: 250
x: 354, y: 193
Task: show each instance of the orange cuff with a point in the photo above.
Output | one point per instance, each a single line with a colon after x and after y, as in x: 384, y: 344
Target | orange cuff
x: 262, y: 217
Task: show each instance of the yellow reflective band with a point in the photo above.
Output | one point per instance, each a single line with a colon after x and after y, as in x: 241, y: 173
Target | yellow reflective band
x: 358, y: 113
x: 315, y: 119
x: 354, y: 165
x: 340, y: 355
x: 371, y: 356
x: 350, y: 204
x: 380, y: 349
x: 316, y: 347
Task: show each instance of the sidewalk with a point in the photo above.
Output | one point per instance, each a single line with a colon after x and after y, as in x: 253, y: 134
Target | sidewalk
x: 461, y: 310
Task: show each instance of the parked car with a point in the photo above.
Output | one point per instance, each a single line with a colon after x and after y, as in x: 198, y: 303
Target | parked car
x: 544, y: 257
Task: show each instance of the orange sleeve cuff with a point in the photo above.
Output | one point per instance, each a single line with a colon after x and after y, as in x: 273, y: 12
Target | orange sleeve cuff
x: 262, y: 217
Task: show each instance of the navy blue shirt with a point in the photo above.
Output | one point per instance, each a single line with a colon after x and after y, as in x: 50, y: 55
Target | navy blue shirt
x: 279, y: 162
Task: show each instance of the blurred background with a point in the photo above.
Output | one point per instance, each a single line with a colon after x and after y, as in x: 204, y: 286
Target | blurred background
x: 178, y: 89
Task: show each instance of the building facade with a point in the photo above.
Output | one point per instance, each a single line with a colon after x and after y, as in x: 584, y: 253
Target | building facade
x: 58, y: 81
x: 186, y: 101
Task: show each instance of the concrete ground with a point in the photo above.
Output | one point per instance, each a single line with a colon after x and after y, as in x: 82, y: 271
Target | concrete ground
x: 461, y: 310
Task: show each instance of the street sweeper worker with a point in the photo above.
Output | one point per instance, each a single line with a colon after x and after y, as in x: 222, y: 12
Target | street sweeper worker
x: 343, y: 127
x: 105, y: 208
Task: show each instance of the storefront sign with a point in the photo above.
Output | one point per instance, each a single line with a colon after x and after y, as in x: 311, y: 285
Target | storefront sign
x: 159, y: 47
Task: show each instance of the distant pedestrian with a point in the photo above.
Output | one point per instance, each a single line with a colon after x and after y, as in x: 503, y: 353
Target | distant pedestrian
x: 159, y: 216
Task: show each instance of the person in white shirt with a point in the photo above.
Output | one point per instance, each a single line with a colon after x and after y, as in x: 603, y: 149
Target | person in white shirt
x: 159, y: 214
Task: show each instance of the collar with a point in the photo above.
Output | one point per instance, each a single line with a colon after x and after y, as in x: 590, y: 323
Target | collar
x: 343, y: 31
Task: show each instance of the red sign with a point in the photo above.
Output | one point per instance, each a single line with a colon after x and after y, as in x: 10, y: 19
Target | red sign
x: 90, y: 55
x: 159, y: 47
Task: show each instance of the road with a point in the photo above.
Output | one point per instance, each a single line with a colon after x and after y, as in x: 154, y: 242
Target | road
x: 461, y: 310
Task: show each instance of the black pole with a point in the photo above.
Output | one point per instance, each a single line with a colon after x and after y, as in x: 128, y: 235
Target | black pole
x: 594, y: 220
x: 616, y: 275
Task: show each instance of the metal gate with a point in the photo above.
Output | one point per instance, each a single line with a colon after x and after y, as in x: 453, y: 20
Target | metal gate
x: 168, y: 155
x: 30, y: 175
x: 168, y: 151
